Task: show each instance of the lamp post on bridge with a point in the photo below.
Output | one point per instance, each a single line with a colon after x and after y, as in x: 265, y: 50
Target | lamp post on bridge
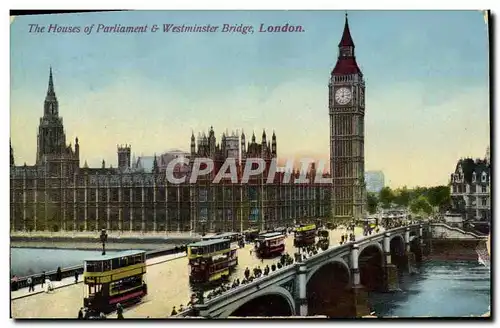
x: 104, y: 238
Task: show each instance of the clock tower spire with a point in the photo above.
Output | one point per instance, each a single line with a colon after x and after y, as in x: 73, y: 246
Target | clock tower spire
x: 347, y: 114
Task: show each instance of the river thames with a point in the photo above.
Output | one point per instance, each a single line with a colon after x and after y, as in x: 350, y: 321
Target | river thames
x: 441, y: 288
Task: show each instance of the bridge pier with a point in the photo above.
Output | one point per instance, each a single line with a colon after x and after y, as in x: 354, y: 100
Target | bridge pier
x: 201, y: 310
x: 391, y: 282
x: 301, y: 301
x: 359, y: 297
x: 410, y: 259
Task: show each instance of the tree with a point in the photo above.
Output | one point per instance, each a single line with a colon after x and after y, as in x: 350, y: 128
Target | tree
x: 372, y: 202
x: 386, y: 197
x: 439, y: 196
x: 402, y: 197
x: 421, y: 205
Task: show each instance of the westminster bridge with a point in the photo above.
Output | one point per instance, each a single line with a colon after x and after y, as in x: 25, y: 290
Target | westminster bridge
x: 328, y: 283
x: 335, y: 282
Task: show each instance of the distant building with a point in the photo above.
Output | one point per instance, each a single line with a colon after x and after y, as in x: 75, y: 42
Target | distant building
x: 471, y: 189
x: 375, y: 181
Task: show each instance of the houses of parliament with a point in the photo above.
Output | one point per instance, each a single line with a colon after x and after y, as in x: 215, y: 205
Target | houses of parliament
x: 57, y: 193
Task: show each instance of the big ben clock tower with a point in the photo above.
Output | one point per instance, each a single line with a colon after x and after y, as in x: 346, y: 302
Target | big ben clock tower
x: 347, y: 116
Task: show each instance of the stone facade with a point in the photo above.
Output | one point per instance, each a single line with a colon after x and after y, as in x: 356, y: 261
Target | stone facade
x: 58, y: 194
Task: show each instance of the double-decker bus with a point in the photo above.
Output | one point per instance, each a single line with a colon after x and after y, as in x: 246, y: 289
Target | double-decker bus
x: 235, y: 238
x: 305, y: 235
x: 251, y: 235
x: 270, y: 244
x: 211, y: 260
x: 112, y: 279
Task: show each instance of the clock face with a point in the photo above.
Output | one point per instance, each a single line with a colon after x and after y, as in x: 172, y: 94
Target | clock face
x: 343, y: 96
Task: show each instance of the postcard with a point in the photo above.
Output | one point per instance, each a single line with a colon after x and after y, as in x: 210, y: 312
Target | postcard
x: 250, y: 164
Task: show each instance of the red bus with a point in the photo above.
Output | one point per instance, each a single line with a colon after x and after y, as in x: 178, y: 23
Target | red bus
x: 270, y: 244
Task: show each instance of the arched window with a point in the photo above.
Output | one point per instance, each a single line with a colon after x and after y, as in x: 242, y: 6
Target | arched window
x: 483, y: 177
x: 473, y: 177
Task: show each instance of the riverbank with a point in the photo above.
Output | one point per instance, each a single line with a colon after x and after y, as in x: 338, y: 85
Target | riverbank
x: 87, y: 241
x: 85, y: 246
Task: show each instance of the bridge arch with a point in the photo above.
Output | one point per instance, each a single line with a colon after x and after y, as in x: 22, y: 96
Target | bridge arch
x: 362, y: 247
x: 328, y: 289
x: 338, y: 261
x: 397, y: 235
x: 371, y: 266
x: 415, y: 248
x: 397, y: 246
x: 277, y: 301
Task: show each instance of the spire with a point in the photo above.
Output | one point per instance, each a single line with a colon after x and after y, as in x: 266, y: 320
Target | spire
x: 155, y: 165
x: 346, y: 62
x: 51, y: 107
x: 50, y: 90
x: 346, y: 40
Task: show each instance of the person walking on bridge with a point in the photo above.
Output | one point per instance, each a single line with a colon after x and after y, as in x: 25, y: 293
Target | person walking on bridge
x: 43, y: 278
x: 76, y: 277
x: 31, y: 285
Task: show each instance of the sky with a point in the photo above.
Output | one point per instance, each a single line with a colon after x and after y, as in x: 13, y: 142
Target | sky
x: 426, y: 73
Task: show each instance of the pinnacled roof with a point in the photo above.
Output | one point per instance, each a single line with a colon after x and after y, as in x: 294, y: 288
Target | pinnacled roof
x: 346, y: 40
x: 346, y: 65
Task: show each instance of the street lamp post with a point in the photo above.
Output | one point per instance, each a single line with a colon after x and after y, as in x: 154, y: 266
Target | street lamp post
x: 104, y: 239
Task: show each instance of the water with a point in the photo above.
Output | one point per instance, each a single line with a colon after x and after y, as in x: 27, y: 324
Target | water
x: 27, y: 261
x: 440, y: 289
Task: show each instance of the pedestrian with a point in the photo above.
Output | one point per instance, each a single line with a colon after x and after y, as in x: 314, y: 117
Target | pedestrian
x: 59, y: 274
x: 174, y: 312
x: 247, y: 273
x: 43, y: 278
x: 31, y: 286
x: 119, y: 311
x: 80, y: 313
x: 76, y: 277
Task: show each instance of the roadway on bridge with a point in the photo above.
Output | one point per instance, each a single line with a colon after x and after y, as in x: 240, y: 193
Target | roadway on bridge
x: 168, y: 286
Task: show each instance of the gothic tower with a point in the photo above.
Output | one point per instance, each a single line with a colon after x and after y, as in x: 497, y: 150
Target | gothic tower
x: 51, y: 136
x: 347, y: 112
x: 123, y: 156
x: 58, y: 158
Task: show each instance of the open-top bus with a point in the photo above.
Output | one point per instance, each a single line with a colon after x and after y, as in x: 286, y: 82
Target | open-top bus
x: 211, y: 260
x: 270, y: 244
x: 305, y: 235
x: 235, y: 238
x: 112, y: 279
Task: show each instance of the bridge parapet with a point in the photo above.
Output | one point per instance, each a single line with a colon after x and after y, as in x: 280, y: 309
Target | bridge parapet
x: 444, y: 231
